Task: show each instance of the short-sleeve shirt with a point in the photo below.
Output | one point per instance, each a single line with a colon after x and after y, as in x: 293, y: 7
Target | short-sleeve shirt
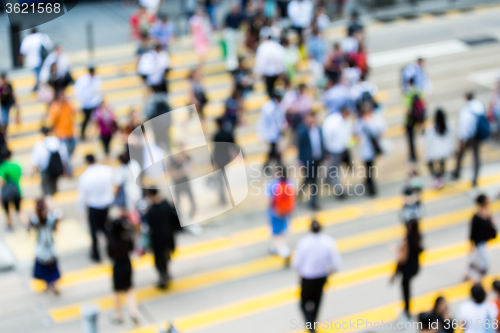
x: 61, y: 116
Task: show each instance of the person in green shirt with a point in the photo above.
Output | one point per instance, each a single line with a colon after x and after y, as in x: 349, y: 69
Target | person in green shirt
x: 412, y: 95
x: 10, y: 176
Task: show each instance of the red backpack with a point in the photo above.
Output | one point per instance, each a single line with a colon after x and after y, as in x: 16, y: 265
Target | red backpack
x: 284, y: 199
x: 418, y: 110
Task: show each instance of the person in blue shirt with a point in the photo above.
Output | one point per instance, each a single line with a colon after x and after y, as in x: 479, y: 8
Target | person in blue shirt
x: 162, y: 32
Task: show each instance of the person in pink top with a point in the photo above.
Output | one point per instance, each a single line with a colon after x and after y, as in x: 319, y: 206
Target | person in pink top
x: 140, y: 22
x: 200, y: 31
x: 106, y: 121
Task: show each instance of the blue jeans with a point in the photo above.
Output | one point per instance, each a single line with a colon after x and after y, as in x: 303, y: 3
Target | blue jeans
x: 70, y: 145
x: 5, y: 116
x: 37, y: 75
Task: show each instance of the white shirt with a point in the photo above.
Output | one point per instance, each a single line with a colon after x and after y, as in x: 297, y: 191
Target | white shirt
x: 153, y: 64
x: 31, y: 48
x: 88, y: 91
x: 467, y: 119
x: 476, y: 312
x: 124, y: 176
x: 315, y: 137
x: 149, y: 3
x: 40, y: 154
x: 336, y: 98
x: 63, y: 65
x: 271, y: 122
x: 270, y: 59
x: 95, y: 187
x: 376, y: 126
x: 421, y: 80
x: 316, y: 256
x: 439, y: 146
x: 349, y: 45
x: 337, y: 132
x: 351, y: 75
x: 301, y: 13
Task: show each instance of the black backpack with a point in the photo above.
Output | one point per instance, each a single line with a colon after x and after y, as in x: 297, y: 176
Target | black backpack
x: 161, y: 107
x: 55, y: 167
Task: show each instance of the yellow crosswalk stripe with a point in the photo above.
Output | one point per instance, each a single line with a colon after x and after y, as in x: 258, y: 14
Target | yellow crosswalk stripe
x: 345, y: 244
x: 342, y: 280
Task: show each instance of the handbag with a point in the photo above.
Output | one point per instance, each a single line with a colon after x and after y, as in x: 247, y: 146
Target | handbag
x: 492, y: 231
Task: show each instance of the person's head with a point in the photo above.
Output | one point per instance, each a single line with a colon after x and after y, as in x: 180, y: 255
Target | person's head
x: 425, y: 319
x: 220, y: 123
x: 89, y: 159
x: 153, y: 194
x: 336, y: 47
x: 235, y: 9
x: 440, y: 121
x: 60, y: 96
x: 58, y: 49
x: 351, y: 63
x: 7, y: 154
x: 3, y: 78
x: 124, y: 158
x: 345, y: 112
x: 45, y: 130
x: 315, y: 227
x: 302, y: 88
x: 411, y: 81
x: 41, y: 211
x: 141, y: 9
x: 420, y: 62
x: 117, y: 227
x: 354, y: 16
x: 34, y: 30
x: 496, y: 287
x: 366, y: 108
x: 469, y: 96
x: 236, y: 94
x: 195, y: 75
x: 163, y: 17
x: 440, y: 306
x: 309, y: 119
x: 157, y: 47
x: 53, y: 68
x: 92, y: 70
x: 482, y: 201
x: 284, y: 41
x: 478, y: 294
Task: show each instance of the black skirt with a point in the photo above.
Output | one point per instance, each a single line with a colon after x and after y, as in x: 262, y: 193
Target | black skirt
x: 122, y: 275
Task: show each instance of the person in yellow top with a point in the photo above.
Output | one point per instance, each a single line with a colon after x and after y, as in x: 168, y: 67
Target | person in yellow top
x: 62, y: 120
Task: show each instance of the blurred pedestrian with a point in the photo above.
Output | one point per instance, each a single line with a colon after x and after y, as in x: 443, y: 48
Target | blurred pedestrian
x: 337, y: 96
x: 35, y: 48
x: 88, y: 90
x: 297, y: 103
x: 354, y: 24
x: 412, y: 209
x: 364, y: 91
x: 316, y: 256
x: 56, y: 69
x: 350, y: 44
x: 408, y: 263
x: 351, y: 74
x: 200, y: 32
x: 337, y: 135
x: 230, y: 36
x: 120, y: 245
x: 153, y: 67
x: 95, y: 193
x: 223, y: 153
x: 163, y: 222
x: 301, y: 14
x: 471, y: 131
x: 162, y: 32
x: 477, y: 310
x: 369, y: 128
x: 416, y: 72
x: 311, y: 153
x: 292, y: 57
x: 334, y: 62
x: 415, y: 116
x: 440, y: 145
x: 282, y: 205
x: 62, y: 119
x: 140, y: 22
x: 7, y: 101
x: 316, y: 46
x: 197, y: 94
x: 10, y: 178
x: 243, y: 78
x: 270, y: 125
x: 50, y: 157
x: 440, y: 313
x: 45, y: 222
x: 494, y: 108
x: 321, y: 18
x: 106, y: 122
x: 211, y: 8
x: 158, y: 107
x: 127, y: 192
x: 482, y: 230
x: 233, y: 107
x: 496, y: 300
x: 269, y: 63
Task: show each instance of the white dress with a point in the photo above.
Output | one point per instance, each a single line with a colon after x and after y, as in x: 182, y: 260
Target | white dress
x: 438, y: 146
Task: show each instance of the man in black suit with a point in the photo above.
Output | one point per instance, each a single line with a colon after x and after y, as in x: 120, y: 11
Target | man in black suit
x: 310, y: 146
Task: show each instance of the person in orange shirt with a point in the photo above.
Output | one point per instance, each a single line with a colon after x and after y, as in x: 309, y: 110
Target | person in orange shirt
x: 62, y: 120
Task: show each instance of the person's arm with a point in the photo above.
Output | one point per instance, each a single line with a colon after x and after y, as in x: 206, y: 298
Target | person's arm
x: 473, y: 233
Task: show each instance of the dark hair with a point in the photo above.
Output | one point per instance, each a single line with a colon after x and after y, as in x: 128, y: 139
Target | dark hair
x: 315, y: 226
x: 119, y: 241
x: 478, y: 294
x: 425, y: 319
x: 469, y: 95
x: 6, y: 154
x: 438, y: 301
x: 92, y: 70
x: 440, y: 122
x: 411, y: 80
x: 39, y: 208
x: 90, y: 159
x: 34, y: 30
x: 496, y: 286
x: 150, y: 192
x: 45, y: 130
x: 481, y: 200
x: 220, y: 122
x: 124, y: 157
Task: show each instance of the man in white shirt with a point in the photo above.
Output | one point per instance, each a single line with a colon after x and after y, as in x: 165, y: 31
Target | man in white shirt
x: 316, y: 256
x: 63, y: 66
x: 416, y: 71
x: 153, y: 66
x: 96, y: 192
x: 477, y: 313
x: 88, y: 90
x: 269, y: 127
x: 40, y: 159
x: 31, y: 49
x: 336, y: 97
x: 301, y: 14
x: 270, y: 63
x: 467, y: 133
x: 337, y: 132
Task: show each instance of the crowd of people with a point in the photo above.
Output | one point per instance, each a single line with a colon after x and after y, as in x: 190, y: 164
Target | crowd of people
x: 284, y: 37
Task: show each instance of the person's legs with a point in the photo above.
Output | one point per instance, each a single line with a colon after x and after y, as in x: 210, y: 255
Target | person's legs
x: 161, y: 265
x: 37, y: 71
x: 370, y: 184
x: 93, y: 224
x: 314, y: 189
x: 405, y: 283
x: 477, y: 163
x: 70, y: 145
x: 335, y: 167
x: 270, y: 82
x: 458, y: 168
x: 432, y: 170
x: 483, y: 254
x: 118, y: 308
x: 271, y: 153
x: 312, y: 290
x: 86, y: 117
x: 8, y: 219
x: 105, y: 142
x: 132, y: 306
x: 410, y: 133
x: 442, y: 168
x: 5, y: 117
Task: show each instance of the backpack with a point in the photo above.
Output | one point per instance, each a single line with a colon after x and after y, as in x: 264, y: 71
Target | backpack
x: 161, y: 107
x: 55, y: 167
x: 483, y: 129
x: 43, y: 52
x: 417, y: 112
x: 284, y: 199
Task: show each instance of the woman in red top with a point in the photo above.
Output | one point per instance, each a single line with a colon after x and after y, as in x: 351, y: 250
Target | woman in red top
x: 140, y: 22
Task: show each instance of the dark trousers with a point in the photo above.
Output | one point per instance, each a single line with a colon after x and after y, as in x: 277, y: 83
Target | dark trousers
x: 270, y: 82
x: 410, y: 134
x: 273, y: 154
x: 370, y: 183
x: 105, y: 143
x: 405, y: 284
x: 474, y: 145
x: 97, y: 220
x: 162, y: 257
x: 435, y: 172
x: 87, y: 113
x: 185, y: 188
x: 310, y: 298
x: 311, y: 178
